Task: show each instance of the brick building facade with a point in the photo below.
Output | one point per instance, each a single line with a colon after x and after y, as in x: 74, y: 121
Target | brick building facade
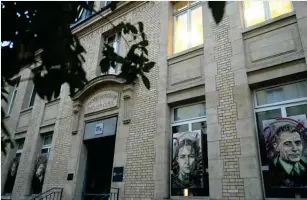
x: 231, y: 86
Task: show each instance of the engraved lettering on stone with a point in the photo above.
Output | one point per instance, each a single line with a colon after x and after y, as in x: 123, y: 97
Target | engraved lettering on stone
x: 102, y: 101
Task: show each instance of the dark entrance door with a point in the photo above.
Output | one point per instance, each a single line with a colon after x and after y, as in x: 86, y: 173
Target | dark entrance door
x: 99, y: 167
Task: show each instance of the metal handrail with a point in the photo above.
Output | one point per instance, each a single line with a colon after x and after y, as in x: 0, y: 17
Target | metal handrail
x: 53, y: 192
x: 111, y: 195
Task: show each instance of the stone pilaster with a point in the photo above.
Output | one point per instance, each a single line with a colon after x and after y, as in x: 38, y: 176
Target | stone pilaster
x: 233, y: 172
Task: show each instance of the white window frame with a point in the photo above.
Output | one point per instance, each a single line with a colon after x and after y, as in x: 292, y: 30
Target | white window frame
x: 267, y: 13
x: 191, y: 6
x: 47, y: 146
x: 13, y: 96
x: 116, y: 47
x: 31, y: 96
x: 282, y: 106
x: 19, y: 151
x: 104, y: 4
x: 182, y: 106
x: 256, y: 106
x: 189, y: 121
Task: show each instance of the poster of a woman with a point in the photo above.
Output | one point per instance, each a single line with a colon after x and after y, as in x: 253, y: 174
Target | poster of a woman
x: 9, y: 184
x: 187, y: 169
x: 39, y: 174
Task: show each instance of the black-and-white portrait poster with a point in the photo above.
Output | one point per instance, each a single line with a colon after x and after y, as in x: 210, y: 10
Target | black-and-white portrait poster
x: 286, y: 151
x: 39, y: 174
x: 9, y: 184
x: 187, y: 166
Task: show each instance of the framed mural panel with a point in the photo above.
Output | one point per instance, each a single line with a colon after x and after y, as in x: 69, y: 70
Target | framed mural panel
x: 39, y: 173
x: 189, y: 157
x: 282, y: 137
x: 9, y: 184
x: 187, y: 166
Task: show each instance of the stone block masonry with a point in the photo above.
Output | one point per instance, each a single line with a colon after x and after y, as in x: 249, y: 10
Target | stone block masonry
x: 138, y: 177
x: 230, y: 151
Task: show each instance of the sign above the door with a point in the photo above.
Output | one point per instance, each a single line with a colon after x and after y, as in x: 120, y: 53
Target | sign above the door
x: 102, y: 101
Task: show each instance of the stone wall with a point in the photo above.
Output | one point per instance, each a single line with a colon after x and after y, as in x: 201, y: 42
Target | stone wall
x: 233, y: 163
x: 138, y: 176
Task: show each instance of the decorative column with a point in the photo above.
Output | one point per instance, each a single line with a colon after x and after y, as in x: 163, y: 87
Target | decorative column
x: 127, y: 97
x: 76, y: 116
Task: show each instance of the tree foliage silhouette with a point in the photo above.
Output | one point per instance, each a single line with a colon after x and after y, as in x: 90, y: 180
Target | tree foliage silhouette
x: 38, y: 35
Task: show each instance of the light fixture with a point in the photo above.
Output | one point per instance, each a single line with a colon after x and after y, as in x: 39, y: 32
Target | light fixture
x: 185, y: 192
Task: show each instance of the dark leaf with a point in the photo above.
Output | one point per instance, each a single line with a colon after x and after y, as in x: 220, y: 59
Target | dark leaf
x: 141, y: 26
x: 143, y: 36
x: 144, y: 50
x: 113, y: 5
x: 146, y: 81
x: 144, y: 43
x: 133, y: 29
x: 148, y: 66
x: 217, y: 9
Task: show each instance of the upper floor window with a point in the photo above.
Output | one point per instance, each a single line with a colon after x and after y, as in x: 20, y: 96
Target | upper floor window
x: 104, y: 3
x: 114, y: 41
x: 12, y: 97
x: 46, y: 147
x: 84, y: 13
x: 29, y: 97
x: 20, y: 144
x: 188, y: 25
x: 256, y: 12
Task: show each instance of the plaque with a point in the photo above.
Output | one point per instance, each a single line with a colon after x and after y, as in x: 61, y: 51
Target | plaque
x: 102, y: 101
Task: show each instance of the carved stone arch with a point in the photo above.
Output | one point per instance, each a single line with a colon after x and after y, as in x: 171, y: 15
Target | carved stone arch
x: 88, y: 93
x: 95, y: 84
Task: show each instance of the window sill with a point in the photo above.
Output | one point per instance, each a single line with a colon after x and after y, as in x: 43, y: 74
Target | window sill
x: 267, y: 22
x: 185, y: 52
x: 26, y: 110
x: 6, y: 117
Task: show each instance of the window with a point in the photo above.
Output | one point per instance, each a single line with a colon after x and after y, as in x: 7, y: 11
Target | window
x: 188, y: 25
x: 114, y: 40
x: 279, y: 94
x: 47, y: 140
x: 12, y: 171
x: 13, y: 96
x: 256, y: 12
x: 84, y: 14
x: 29, y: 96
x: 104, y: 3
x: 19, y: 144
x: 32, y: 97
x: 41, y: 165
x: 281, y: 117
x: 189, y: 145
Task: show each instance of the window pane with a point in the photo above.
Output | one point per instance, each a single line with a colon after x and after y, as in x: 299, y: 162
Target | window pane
x: 32, y: 99
x: 12, y: 102
x: 180, y: 128
x: 181, y: 33
x: 44, y: 151
x: 282, y: 93
x: 189, y: 112
x: 180, y: 5
x: 20, y: 144
x: 253, y: 12
x: 296, y: 110
x: 196, y: 27
x: 278, y: 8
x: 47, y: 139
x: 200, y: 126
